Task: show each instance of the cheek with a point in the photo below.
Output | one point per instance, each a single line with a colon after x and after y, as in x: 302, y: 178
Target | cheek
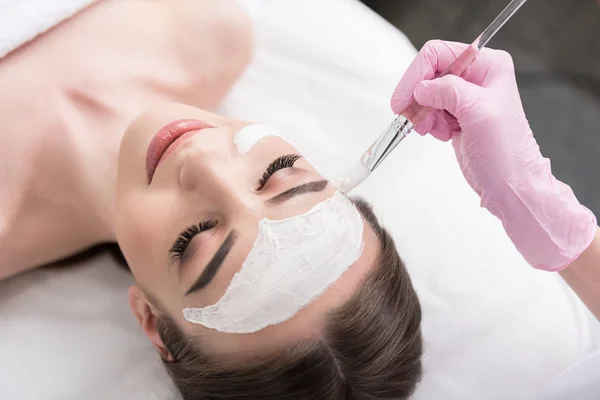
x: 139, y: 227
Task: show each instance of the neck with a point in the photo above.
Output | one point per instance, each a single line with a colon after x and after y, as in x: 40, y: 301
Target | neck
x: 95, y: 145
x: 99, y: 186
x: 100, y: 201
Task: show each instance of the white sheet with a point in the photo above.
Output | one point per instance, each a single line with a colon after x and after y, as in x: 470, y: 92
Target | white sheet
x: 582, y: 382
x: 324, y: 69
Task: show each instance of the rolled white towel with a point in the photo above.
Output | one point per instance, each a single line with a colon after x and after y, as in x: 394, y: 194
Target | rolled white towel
x: 23, y: 20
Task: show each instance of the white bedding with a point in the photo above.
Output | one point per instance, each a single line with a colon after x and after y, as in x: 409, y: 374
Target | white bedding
x: 324, y: 69
x: 23, y: 20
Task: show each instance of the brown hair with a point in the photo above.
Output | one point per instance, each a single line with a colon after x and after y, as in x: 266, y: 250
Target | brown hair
x: 371, y: 348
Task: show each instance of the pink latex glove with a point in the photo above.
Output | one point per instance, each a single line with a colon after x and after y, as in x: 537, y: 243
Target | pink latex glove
x: 497, y: 152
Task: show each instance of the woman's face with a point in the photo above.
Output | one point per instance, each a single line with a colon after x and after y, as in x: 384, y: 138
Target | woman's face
x: 175, y: 220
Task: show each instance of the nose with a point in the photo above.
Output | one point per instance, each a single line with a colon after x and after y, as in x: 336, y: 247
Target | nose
x: 214, y: 170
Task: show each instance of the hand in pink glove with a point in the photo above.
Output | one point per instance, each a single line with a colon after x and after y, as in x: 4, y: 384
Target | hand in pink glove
x: 482, y: 114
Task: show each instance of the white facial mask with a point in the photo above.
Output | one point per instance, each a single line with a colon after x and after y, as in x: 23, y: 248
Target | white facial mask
x: 247, y: 137
x: 292, y: 262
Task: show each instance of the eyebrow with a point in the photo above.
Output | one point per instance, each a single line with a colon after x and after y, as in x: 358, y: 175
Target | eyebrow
x: 309, y: 187
x: 214, y: 264
x: 211, y: 269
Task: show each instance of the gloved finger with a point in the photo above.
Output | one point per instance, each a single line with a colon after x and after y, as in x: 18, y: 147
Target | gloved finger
x: 452, y: 94
x: 432, y: 60
x: 436, y: 56
x: 440, y: 124
x: 491, y: 68
x: 426, y: 126
x: 445, y: 127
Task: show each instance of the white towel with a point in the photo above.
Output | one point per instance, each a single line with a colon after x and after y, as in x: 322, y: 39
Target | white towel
x: 23, y: 20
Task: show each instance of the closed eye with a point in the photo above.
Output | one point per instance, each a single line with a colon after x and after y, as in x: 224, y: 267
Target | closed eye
x: 282, y: 162
x: 183, y: 240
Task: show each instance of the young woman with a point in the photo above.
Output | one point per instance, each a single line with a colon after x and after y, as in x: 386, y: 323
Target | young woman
x: 188, y: 216
x: 74, y: 92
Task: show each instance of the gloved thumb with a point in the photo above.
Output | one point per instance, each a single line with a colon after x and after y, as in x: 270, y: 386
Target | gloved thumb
x: 450, y: 93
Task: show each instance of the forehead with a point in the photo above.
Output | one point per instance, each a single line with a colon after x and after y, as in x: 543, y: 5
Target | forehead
x: 307, y: 324
x: 292, y: 262
x: 247, y: 137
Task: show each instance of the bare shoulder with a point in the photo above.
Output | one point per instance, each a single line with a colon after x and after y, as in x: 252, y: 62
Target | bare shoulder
x: 226, y: 18
x: 216, y: 33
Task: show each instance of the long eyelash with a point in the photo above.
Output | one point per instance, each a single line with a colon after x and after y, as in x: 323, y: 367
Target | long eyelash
x: 186, y: 237
x: 282, y: 162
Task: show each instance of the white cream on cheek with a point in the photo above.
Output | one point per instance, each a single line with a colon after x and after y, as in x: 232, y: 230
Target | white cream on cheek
x: 250, y: 135
x: 292, y: 262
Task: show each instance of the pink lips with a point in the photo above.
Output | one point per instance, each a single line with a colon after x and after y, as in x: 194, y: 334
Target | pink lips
x: 161, y: 145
